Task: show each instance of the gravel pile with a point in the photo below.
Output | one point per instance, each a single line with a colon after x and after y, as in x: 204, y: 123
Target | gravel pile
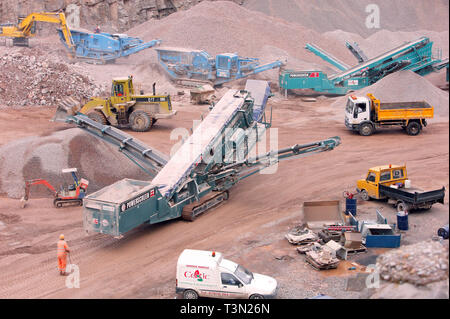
x: 31, y: 77
x: 419, y: 264
x: 404, y: 86
x: 45, y: 156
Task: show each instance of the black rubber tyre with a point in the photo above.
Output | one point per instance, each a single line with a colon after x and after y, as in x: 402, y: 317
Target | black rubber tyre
x: 190, y: 294
x: 140, y: 121
x: 366, y: 129
x: 97, y: 116
x: 364, y: 195
x: 402, y: 206
x: 413, y: 128
x: 256, y: 296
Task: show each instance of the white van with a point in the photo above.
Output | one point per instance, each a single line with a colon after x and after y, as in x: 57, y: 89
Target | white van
x: 208, y: 274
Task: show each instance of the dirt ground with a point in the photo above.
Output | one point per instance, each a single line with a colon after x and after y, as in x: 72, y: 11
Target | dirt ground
x: 248, y: 229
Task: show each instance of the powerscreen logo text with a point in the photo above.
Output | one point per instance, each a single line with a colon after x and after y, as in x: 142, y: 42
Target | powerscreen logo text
x: 137, y: 200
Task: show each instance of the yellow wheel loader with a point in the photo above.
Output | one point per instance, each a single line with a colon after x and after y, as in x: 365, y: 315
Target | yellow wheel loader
x: 123, y: 109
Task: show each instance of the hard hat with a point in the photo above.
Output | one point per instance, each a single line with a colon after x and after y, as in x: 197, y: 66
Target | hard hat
x: 61, y: 236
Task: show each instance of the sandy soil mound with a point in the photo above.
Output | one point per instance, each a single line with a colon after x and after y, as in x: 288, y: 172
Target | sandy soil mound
x: 351, y: 15
x: 405, y: 86
x: 221, y: 26
x: 45, y: 156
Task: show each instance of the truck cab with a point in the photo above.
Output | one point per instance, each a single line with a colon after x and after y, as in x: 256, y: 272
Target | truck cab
x: 207, y: 274
x: 386, y: 175
x: 357, y: 111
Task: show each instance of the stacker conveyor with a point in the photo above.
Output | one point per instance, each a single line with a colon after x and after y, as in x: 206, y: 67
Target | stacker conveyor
x: 416, y: 56
x: 198, y: 176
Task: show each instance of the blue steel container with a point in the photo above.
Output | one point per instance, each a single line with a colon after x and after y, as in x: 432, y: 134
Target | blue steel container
x: 350, y: 206
x: 402, y: 221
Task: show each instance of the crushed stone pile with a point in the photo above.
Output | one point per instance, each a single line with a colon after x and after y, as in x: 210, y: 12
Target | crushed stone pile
x: 418, y: 264
x: 404, y: 86
x: 32, y: 77
x: 45, y: 156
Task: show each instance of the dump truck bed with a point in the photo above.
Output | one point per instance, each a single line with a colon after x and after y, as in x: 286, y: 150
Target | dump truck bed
x: 414, y: 196
x: 404, y: 111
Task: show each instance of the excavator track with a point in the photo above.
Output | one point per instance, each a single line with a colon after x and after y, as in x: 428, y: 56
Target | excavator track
x: 192, y: 211
x: 58, y: 203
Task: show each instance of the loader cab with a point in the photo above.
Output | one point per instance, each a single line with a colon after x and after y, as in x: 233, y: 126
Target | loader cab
x: 226, y: 64
x: 122, y: 89
x: 32, y: 27
x: 357, y: 110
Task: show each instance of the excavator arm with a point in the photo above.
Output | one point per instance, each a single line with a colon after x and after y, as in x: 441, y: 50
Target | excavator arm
x: 29, y: 183
x: 24, y: 28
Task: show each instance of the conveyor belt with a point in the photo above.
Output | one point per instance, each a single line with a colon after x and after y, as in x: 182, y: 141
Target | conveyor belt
x: 260, y: 92
x: 388, y: 54
x: 202, y: 140
x: 140, y: 153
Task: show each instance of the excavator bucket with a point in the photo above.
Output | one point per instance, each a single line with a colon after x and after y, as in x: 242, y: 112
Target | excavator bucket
x: 23, y: 202
x: 68, y: 106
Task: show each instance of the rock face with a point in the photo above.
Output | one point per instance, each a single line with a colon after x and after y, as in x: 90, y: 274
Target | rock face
x: 110, y: 15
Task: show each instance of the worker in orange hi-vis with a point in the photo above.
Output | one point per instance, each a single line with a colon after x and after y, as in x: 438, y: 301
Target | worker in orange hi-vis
x: 63, y: 249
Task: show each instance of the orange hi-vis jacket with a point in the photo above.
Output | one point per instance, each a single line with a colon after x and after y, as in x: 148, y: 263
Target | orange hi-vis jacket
x: 62, y: 248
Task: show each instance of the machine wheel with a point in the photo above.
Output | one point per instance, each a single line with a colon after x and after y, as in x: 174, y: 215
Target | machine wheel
x: 140, y: 121
x: 190, y: 294
x: 364, y: 195
x: 97, y: 116
x: 402, y: 206
x: 413, y: 128
x: 256, y: 296
x: 366, y: 129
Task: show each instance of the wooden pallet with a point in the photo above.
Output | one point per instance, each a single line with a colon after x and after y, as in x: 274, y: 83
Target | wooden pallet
x: 320, y: 266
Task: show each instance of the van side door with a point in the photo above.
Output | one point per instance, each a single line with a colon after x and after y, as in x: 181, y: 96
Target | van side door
x: 231, y: 286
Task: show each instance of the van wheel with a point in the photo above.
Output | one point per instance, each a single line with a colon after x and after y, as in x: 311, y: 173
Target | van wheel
x: 256, y: 296
x: 364, y: 195
x: 190, y: 294
x: 413, y: 128
x: 366, y: 129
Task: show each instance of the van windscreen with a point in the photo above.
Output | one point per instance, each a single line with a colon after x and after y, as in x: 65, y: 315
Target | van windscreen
x: 244, y: 274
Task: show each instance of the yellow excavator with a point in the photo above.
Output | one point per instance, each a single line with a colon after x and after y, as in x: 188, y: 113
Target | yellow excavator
x: 26, y: 28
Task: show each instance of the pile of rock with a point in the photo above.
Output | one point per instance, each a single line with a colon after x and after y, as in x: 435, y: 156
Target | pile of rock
x: 30, y: 77
x: 419, y: 264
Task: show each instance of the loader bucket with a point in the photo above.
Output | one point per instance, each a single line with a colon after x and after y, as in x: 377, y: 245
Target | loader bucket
x: 68, y: 106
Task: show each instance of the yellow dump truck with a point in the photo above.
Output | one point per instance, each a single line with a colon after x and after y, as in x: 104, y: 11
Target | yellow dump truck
x: 391, y: 182
x: 366, y: 114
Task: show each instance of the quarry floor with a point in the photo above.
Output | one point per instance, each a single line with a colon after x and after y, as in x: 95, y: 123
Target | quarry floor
x: 248, y: 229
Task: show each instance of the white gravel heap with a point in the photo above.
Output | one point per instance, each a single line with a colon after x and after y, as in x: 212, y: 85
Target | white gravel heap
x: 419, y: 264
